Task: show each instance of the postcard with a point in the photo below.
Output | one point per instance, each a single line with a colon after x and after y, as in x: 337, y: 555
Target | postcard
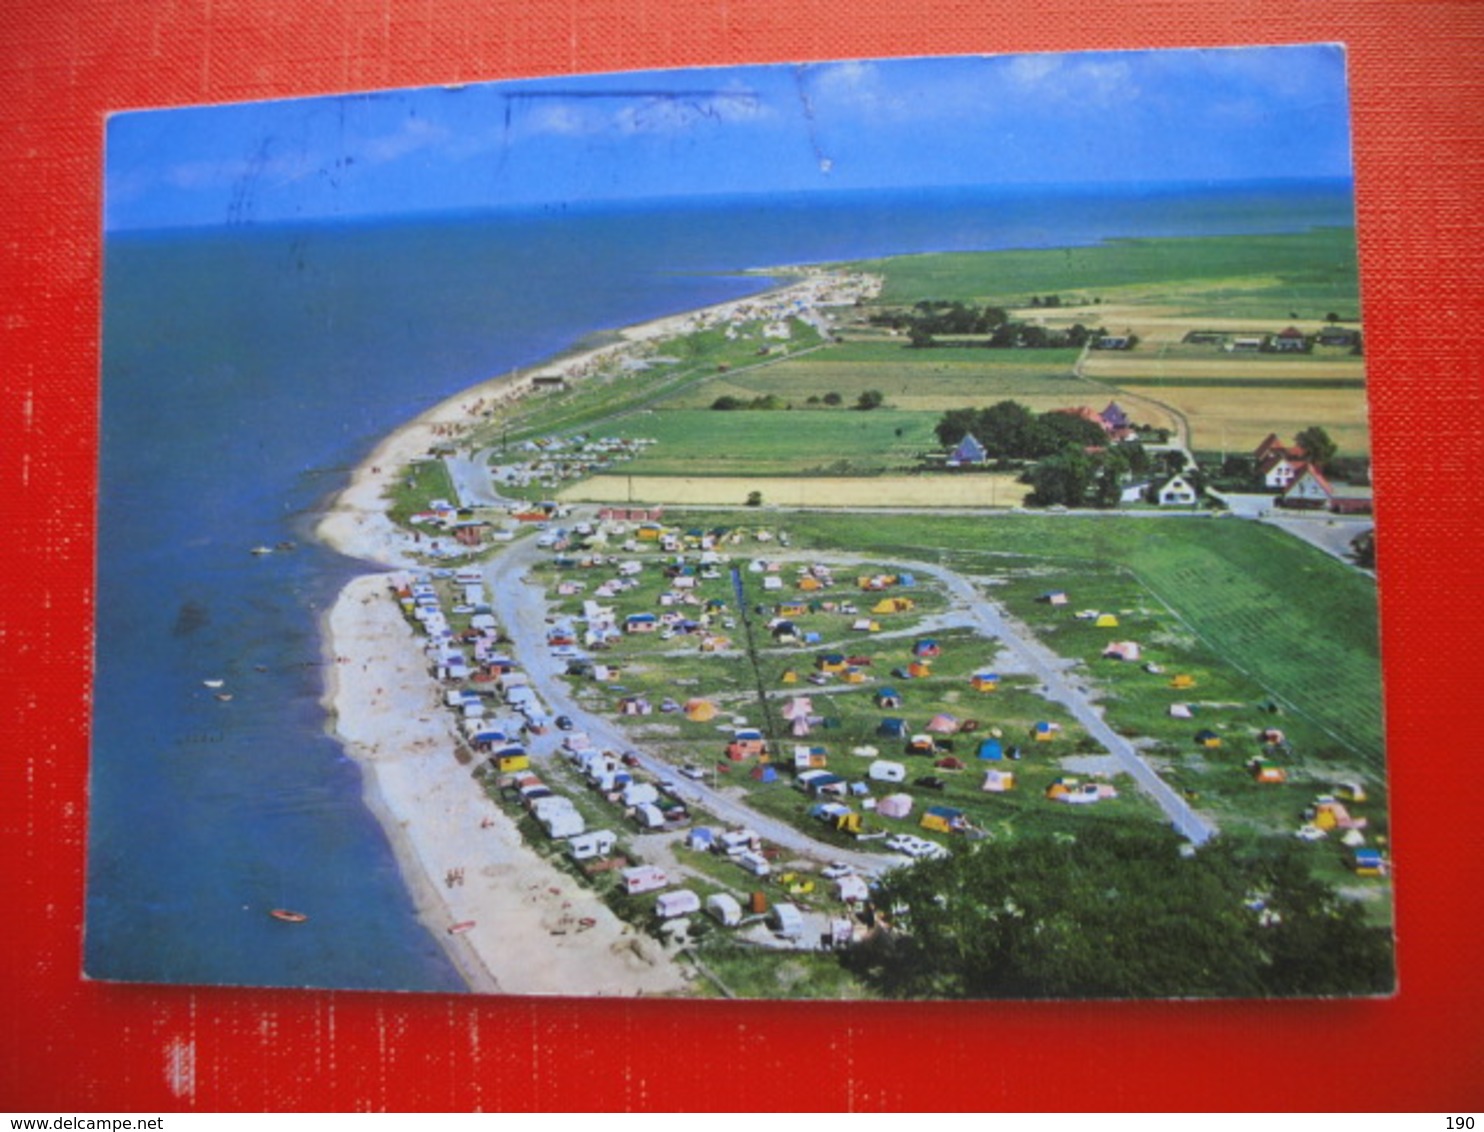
x: 851, y: 530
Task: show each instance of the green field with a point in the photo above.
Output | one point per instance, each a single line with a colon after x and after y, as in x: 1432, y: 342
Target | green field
x: 1311, y: 274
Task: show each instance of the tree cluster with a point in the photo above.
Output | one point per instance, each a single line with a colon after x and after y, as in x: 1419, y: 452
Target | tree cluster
x: 932, y: 319
x: 728, y: 403
x: 1118, y: 913
x: 1010, y: 431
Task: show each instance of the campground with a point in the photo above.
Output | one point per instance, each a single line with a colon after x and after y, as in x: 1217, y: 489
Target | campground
x: 811, y: 596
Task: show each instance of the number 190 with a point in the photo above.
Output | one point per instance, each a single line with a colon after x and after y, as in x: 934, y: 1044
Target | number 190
x: 1460, y: 1124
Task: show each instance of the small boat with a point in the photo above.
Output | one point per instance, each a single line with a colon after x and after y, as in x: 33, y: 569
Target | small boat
x: 213, y: 683
x: 287, y: 916
x: 225, y: 697
x: 262, y: 550
x: 460, y: 928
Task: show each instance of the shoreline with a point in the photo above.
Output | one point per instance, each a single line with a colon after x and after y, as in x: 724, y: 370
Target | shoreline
x: 535, y: 929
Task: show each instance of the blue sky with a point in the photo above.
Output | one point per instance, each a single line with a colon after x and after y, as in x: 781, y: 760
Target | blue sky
x: 1197, y: 115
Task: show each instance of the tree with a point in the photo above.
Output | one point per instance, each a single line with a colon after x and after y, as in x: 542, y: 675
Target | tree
x: 1318, y: 448
x: 728, y: 403
x: 754, y: 499
x: 832, y: 398
x: 954, y: 425
x: 870, y: 399
x: 1007, y: 429
x: 1118, y: 913
x: 1062, y: 480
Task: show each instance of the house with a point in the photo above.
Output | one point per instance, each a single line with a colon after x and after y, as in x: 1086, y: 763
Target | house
x: 968, y: 453
x: 1177, y: 491
x: 1291, y: 340
x: 1280, y: 470
x: 1309, y: 491
x: 643, y: 878
x: 1114, y: 418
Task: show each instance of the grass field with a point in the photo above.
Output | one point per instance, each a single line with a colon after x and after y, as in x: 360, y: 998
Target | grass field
x: 1309, y: 274
x: 1299, y: 624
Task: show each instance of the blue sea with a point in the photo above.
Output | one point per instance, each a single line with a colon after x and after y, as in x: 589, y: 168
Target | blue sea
x: 245, y: 371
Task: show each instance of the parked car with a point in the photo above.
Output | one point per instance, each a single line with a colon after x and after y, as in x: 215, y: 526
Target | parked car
x: 690, y: 770
x: 835, y: 870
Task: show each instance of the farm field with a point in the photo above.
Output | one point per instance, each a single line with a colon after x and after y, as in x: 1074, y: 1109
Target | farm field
x: 1237, y: 418
x: 982, y: 489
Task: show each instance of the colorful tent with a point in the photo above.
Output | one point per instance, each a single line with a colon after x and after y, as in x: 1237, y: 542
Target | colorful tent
x: 943, y: 725
x: 895, y: 806
x: 998, y: 781
x: 1106, y: 621
x: 888, y: 698
x: 700, y: 711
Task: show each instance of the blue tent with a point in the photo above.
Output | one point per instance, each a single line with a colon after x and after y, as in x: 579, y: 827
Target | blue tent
x: 892, y: 728
x: 991, y: 749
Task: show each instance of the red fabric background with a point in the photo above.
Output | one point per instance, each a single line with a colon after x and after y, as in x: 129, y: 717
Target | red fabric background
x: 68, y: 1045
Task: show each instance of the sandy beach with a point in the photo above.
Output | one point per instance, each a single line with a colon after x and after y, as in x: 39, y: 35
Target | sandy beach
x: 534, y: 929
